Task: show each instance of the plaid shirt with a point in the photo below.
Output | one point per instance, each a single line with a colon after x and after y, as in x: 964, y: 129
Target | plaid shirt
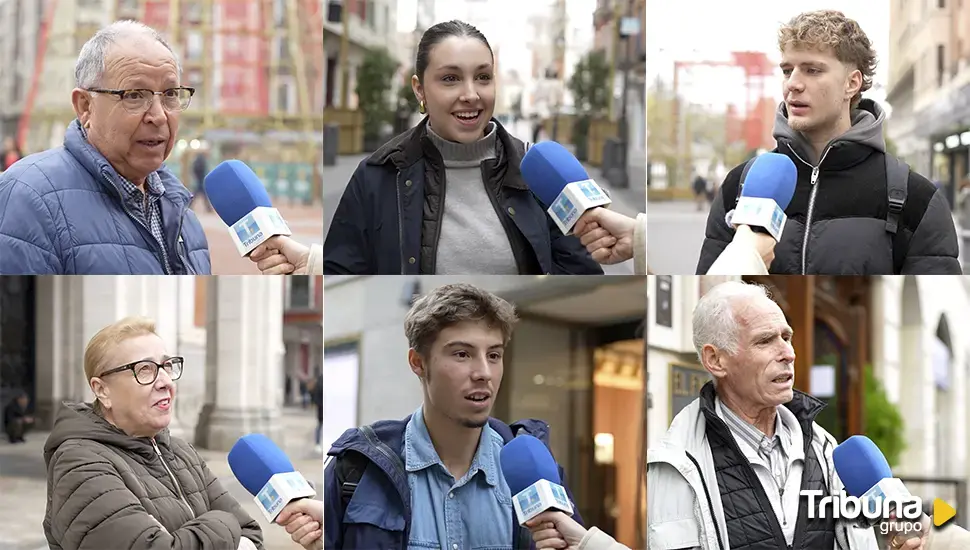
x: 145, y: 207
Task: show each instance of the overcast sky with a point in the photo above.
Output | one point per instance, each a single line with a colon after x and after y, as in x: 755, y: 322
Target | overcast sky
x: 712, y: 29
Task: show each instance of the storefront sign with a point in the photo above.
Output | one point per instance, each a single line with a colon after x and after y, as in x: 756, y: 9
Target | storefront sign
x: 685, y: 385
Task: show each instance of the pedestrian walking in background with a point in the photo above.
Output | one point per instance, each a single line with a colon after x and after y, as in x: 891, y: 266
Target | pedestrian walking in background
x: 200, y: 167
x: 16, y: 421
x: 11, y: 153
x: 316, y: 395
x: 700, y: 192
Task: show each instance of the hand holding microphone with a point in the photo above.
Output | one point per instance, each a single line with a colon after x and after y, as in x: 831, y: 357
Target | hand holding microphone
x: 302, y: 519
x: 607, y: 235
x: 556, y: 530
x: 281, y: 256
x: 279, y: 491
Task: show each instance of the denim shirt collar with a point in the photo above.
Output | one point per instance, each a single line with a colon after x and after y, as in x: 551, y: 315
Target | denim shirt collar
x: 419, y: 451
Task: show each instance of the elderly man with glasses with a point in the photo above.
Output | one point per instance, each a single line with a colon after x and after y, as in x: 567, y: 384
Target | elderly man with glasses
x: 103, y: 203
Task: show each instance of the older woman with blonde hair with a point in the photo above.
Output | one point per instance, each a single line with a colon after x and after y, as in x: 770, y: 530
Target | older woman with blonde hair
x: 116, y: 478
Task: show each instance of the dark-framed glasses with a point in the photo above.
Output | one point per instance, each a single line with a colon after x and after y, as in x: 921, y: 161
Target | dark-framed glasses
x: 138, y: 101
x: 146, y: 370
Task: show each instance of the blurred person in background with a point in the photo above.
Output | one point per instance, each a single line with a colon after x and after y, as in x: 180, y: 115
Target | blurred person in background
x: 11, y: 153
x: 138, y: 486
x: 200, y: 167
x: 841, y: 220
x: 447, y: 197
x: 700, y: 191
x: 104, y: 203
x: 315, y: 387
x: 16, y: 421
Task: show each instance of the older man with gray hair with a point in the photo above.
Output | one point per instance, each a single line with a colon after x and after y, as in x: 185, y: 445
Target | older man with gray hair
x: 728, y: 473
x: 103, y: 203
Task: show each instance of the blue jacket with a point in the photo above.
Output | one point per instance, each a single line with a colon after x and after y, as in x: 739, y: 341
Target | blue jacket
x: 61, y: 213
x: 389, y: 217
x: 378, y: 517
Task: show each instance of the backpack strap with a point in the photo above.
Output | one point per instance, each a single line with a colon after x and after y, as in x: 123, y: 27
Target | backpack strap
x: 897, y: 184
x: 744, y: 174
x: 350, y: 465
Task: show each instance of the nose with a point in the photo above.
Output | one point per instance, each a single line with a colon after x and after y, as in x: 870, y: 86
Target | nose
x: 470, y: 93
x: 163, y: 380
x: 155, y: 113
x: 788, y: 353
x: 482, y: 369
x: 794, y: 82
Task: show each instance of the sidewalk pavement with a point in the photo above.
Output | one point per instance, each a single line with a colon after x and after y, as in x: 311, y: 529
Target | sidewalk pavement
x: 306, y: 223
x: 23, y: 484
x: 629, y: 201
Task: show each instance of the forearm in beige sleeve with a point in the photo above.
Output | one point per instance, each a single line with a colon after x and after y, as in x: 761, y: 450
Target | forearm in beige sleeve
x: 740, y: 257
x: 640, y: 245
x: 314, y: 263
x: 598, y: 540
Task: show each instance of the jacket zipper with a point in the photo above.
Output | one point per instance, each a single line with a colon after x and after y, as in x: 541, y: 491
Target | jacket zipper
x: 502, y: 220
x: 158, y: 255
x: 179, y: 246
x: 400, y: 220
x: 811, y: 201
x: 175, y: 481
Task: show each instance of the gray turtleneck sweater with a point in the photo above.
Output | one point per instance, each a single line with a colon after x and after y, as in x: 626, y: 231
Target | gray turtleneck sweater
x: 472, y: 239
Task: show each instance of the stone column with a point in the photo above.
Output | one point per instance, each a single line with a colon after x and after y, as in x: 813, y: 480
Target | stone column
x: 244, y: 348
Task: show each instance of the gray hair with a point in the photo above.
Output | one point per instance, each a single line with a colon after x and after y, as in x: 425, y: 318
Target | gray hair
x: 89, y: 68
x: 714, y: 321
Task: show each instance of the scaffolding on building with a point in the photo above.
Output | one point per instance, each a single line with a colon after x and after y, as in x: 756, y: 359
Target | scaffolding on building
x: 257, y: 66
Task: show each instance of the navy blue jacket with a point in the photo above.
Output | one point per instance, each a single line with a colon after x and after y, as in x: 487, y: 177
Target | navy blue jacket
x: 378, y: 516
x: 61, y: 213
x: 389, y: 217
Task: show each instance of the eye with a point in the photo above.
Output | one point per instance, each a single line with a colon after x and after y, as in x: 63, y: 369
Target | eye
x: 462, y: 354
x: 495, y: 356
x: 786, y: 72
x: 485, y: 77
x: 134, y: 95
x: 449, y: 78
x: 171, y: 93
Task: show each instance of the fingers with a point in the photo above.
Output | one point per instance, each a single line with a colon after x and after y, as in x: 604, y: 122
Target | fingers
x: 310, y: 538
x: 305, y: 532
x: 276, y: 264
x: 603, y: 256
x: 297, y: 523
x: 551, y: 543
x: 594, y: 235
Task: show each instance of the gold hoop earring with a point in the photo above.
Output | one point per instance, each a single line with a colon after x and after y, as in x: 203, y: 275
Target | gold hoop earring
x: 421, y: 108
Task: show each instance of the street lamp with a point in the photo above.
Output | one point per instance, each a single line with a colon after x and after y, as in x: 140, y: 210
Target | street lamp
x: 628, y: 27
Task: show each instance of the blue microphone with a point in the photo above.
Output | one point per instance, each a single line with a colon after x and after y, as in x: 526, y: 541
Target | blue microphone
x: 865, y: 473
x: 240, y: 199
x: 561, y: 183
x: 767, y: 190
x: 533, y: 478
x: 267, y: 473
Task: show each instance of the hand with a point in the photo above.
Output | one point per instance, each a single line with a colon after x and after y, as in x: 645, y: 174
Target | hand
x: 765, y: 244
x: 281, y: 256
x: 911, y: 541
x: 555, y: 530
x: 302, y: 519
x: 607, y: 235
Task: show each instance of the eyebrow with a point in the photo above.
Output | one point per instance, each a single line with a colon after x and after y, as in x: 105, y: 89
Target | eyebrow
x: 457, y: 68
x: 818, y: 64
x: 461, y: 344
x: 766, y: 333
x: 164, y: 358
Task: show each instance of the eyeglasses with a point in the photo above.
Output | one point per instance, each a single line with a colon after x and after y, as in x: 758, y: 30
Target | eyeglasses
x: 146, y: 371
x: 137, y: 102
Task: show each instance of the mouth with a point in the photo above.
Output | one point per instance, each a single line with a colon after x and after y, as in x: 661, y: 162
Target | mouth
x: 798, y: 106
x: 468, y: 118
x: 151, y: 143
x: 479, y: 398
x: 784, y: 378
x: 163, y: 404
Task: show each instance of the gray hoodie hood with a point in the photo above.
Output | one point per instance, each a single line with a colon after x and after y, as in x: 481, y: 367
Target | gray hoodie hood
x: 867, y: 121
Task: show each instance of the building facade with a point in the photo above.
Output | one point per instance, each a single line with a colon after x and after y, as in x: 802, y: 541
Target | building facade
x: 912, y: 332
x: 371, y: 24
x: 929, y: 89
x: 242, y: 339
x: 574, y: 361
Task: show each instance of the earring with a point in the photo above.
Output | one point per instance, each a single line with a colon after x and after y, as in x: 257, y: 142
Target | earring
x: 421, y: 108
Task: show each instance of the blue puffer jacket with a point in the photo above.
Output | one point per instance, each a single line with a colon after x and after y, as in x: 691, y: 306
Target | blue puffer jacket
x: 61, y: 213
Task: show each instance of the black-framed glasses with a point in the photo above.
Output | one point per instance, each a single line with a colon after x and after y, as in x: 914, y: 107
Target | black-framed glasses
x: 138, y: 101
x: 146, y: 370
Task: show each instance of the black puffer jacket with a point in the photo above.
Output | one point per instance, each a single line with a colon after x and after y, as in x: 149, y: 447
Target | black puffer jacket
x: 845, y: 211
x: 106, y: 489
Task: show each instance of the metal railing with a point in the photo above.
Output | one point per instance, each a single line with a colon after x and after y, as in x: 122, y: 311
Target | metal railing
x: 953, y: 490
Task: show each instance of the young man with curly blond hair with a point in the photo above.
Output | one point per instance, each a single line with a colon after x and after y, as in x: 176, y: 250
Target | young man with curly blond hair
x: 857, y: 210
